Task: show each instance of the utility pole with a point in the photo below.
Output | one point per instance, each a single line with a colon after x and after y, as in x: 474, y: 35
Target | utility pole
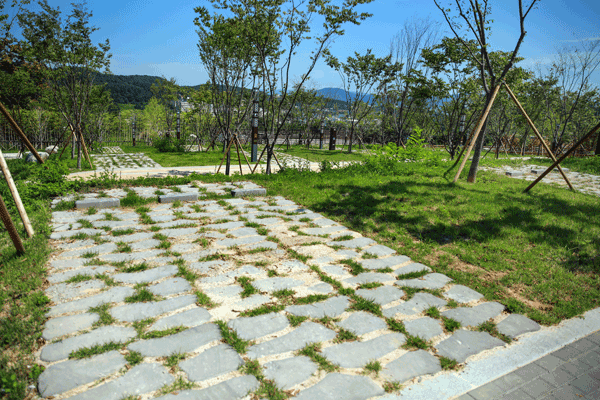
x: 254, y: 149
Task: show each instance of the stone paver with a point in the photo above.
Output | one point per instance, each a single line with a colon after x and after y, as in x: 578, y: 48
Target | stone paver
x: 251, y: 328
x: 420, y: 302
x: 138, y: 311
x: 61, y: 377
x: 64, y: 292
x: 143, y: 378
x: 113, y: 295
x: 411, y: 365
x: 189, y: 318
x: 182, y: 342
x: 211, y: 363
x: 426, y: 328
x: 290, y: 371
x: 232, y: 389
x: 515, y: 325
x: 332, y: 307
x: 382, y: 295
x: 358, y: 354
x: 476, y: 315
x: 61, y: 326
x: 106, y: 334
x: 362, y: 322
x: 382, y: 263
x: 274, y: 284
x: 342, y: 387
x: 429, y: 281
x: 149, y: 275
x: 308, y: 332
x: 463, y: 344
x: 462, y: 294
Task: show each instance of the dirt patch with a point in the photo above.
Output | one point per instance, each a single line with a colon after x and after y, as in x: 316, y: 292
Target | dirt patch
x: 517, y: 292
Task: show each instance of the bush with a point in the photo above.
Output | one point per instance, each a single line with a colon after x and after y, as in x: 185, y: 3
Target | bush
x: 170, y: 145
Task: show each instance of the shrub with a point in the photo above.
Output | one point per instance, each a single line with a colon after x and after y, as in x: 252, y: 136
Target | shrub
x: 170, y: 145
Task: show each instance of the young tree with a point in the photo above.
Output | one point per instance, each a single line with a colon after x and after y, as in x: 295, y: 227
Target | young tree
x: 273, y: 31
x: 71, y: 61
x: 475, y: 15
x: 166, y: 91
x: 366, y: 75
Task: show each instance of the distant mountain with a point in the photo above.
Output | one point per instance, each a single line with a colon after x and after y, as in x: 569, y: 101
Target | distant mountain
x: 340, y: 94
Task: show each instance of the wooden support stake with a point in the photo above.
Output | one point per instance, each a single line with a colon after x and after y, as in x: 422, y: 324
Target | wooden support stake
x: 17, y: 129
x: 246, y: 158
x: 260, y: 158
x: 572, y: 149
x: 537, y: 133
x: 477, y: 131
x: 237, y: 148
x: 10, y: 227
x: 15, y: 195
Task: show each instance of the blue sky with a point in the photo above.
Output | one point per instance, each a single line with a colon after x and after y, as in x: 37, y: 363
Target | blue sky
x: 154, y: 37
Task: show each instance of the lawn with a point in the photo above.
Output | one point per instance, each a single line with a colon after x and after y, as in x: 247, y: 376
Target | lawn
x: 537, y: 253
x: 316, y: 155
x: 588, y: 165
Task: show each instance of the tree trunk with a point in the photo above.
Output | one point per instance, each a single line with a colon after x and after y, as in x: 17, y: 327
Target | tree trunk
x: 479, y: 145
x: 73, y: 146
x: 597, y: 152
x: 351, y: 137
x: 79, y: 152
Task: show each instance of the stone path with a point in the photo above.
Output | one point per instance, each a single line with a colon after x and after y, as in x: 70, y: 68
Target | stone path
x: 104, y: 162
x: 585, y: 183
x: 220, y: 297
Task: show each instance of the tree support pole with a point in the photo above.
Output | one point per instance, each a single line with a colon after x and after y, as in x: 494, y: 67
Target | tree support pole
x: 15, y: 195
x: 17, y: 129
x: 223, y: 159
x: 10, y: 227
x: 246, y: 158
x: 537, y: 133
x: 572, y: 149
x: 476, y: 132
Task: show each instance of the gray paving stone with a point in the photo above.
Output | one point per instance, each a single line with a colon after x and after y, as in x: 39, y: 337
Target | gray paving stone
x: 106, y: 334
x: 420, y: 302
x: 171, y: 197
x: 100, y: 249
x: 111, y: 224
x: 61, y: 377
x: 251, y: 328
x: 97, y: 203
x: 251, y: 302
x: 462, y: 294
x: 274, y: 284
x: 475, y: 315
x: 249, y: 192
x: 224, y: 291
x: 90, y: 270
x: 342, y: 387
x: 240, y: 241
x: 322, y: 287
x: 232, y: 389
x: 208, y: 266
x: 411, y: 365
x: 264, y: 245
x: 426, y: 328
x: 308, y: 332
x: 358, y: 354
x: 132, y: 238
x: 61, y: 326
x: 64, y: 264
x: 429, y: 281
x: 382, y: 263
x: 362, y: 322
x: 177, y: 232
x: 66, y: 291
x: 145, y: 244
x: 334, y: 270
x: 290, y: 371
x: 355, y: 243
x: 68, y: 234
x: 143, y: 378
x: 347, y: 254
x: 514, y: 173
x: 226, y: 225
x: 120, y: 257
x: 412, y: 267
x: 332, y: 307
x: 178, y: 222
x: 382, y: 295
x: 324, y: 222
x: 463, y: 344
x: 211, y: 363
x: 289, y: 266
x: 112, y: 295
x: 369, y: 277
x: 516, y: 324
x: 170, y: 287
x: 138, y: 311
x: 183, y: 342
x: 322, y: 231
x: 379, y: 250
x: 189, y: 318
x: 149, y: 275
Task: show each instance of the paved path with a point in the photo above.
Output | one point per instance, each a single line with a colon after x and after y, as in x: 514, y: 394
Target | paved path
x: 585, y: 183
x: 215, y: 299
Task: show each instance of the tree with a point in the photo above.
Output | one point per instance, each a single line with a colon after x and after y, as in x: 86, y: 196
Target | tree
x: 271, y: 33
x: 475, y: 15
x: 166, y: 91
x: 363, y: 74
x: 70, y: 59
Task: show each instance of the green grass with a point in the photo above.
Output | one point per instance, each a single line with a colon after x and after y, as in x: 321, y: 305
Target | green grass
x: 312, y: 351
x: 370, y: 285
x: 412, y: 275
x: 264, y: 309
x: 86, y: 352
x: 537, y: 253
x: 143, y: 295
x: 355, y: 268
x: 79, y: 278
x: 433, y: 312
x: 135, y: 268
x: 316, y: 155
x: 448, y: 363
x: 122, y: 232
x: 312, y: 298
x: 415, y: 342
x: 294, y: 254
x: 203, y: 300
x: 396, y: 326
x: 345, y: 336
x: 249, y: 290
x: 373, y: 367
x: 231, y: 338
x: 296, y: 320
x: 451, y: 324
x: 491, y: 328
x: 134, y: 358
x: 102, y: 311
x: 163, y: 333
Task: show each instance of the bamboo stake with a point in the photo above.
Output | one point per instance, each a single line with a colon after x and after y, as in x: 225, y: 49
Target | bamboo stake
x: 20, y: 133
x: 237, y: 148
x: 537, y: 133
x: 10, y: 227
x: 572, y: 149
x: 477, y: 131
x: 223, y: 159
x: 15, y: 195
x: 259, y: 158
x: 246, y: 158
